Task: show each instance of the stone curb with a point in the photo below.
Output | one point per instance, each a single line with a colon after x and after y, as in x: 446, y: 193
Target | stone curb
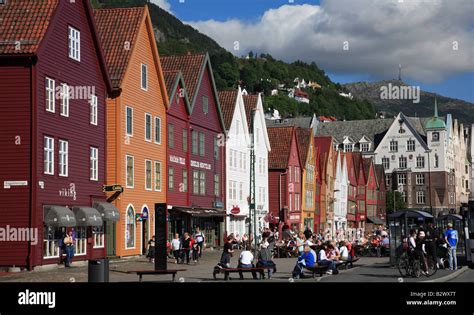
x: 451, y: 276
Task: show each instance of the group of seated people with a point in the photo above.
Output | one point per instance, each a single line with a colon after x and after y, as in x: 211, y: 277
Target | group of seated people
x: 328, y: 254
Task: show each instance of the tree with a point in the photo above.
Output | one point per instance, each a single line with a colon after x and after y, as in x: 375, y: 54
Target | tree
x: 399, y: 202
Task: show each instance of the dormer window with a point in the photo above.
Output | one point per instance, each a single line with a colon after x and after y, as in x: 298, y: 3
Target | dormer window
x: 74, y: 44
x: 364, y: 147
x: 348, y: 147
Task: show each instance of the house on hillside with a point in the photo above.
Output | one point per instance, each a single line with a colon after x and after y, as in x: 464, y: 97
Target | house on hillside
x: 299, y: 95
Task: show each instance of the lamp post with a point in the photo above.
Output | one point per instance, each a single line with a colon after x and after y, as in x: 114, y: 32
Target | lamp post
x: 429, y: 180
x: 252, y: 210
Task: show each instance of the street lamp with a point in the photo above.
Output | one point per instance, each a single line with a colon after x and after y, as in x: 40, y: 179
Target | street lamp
x: 252, y: 209
x: 429, y: 180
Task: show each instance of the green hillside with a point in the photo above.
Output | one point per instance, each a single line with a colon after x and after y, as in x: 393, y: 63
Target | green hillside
x: 260, y: 73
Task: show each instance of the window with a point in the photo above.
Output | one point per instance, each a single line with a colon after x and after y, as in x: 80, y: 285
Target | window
x: 50, y: 97
x: 170, y: 136
x: 216, y: 185
x: 48, y: 155
x: 74, y: 44
x: 452, y: 198
x: 216, y: 148
x: 129, y: 171
x: 297, y: 174
x: 157, y: 130
x: 297, y: 202
x: 148, y: 175
x: 170, y: 178
x: 64, y: 107
x: 185, y: 140
x: 364, y: 147
x: 232, y: 190
x: 388, y: 180
x: 202, y: 183
x: 185, y: 181
x: 291, y: 202
x: 202, y: 143
x: 205, y: 104
x: 196, y: 182
x: 51, y: 239
x: 157, y: 176
x: 402, y: 162
x: 241, y: 160
x: 450, y: 180
x: 98, y: 236
x: 436, y: 161
x: 435, y: 137
x: 81, y: 241
x: 393, y: 146
x: 144, y: 77
x: 148, y: 127
x: 348, y: 147
x: 404, y: 196
x: 129, y: 121
x: 420, y: 179
x: 420, y: 161
x: 94, y: 163
x: 63, y: 158
x: 420, y: 197
x: 241, y: 191
x: 93, y: 110
x: 411, y: 145
x: 402, y: 179
x: 194, y: 136
x: 386, y: 163
x: 130, y: 229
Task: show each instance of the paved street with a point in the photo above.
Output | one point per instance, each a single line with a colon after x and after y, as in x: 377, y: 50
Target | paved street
x: 367, y: 269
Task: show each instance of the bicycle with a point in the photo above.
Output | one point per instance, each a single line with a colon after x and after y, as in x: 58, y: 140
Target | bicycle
x: 412, y: 266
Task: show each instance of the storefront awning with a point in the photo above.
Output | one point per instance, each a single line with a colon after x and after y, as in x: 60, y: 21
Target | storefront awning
x: 87, y: 216
x: 59, y: 216
x: 108, y: 211
x: 411, y: 214
x: 376, y: 220
x: 450, y: 216
x: 201, y: 212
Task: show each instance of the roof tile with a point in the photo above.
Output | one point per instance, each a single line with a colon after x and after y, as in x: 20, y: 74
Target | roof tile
x: 280, y: 142
x: 228, y: 100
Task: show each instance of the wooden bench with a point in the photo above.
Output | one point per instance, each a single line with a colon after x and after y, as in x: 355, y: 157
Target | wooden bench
x: 141, y: 273
x: 317, y: 269
x: 228, y: 271
x: 350, y: 262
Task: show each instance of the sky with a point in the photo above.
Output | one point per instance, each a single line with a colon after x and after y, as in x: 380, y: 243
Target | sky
x: 351, y: 40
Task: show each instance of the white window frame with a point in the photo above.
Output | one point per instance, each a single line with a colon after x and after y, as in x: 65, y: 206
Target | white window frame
x: 94, y: 163
x: 157, y: 167
x: 144, y: 66
x: 48, y: 148
x: 395, y: 145
x: 418, y: 159
x: 149, y: 162
x: 63, y: 158
x: 74, y: 43
x: 126, y: 171
x: 386, y: 163
x: 411, y: 148
x: 400, y: 177
x: 420, y: 195
x: 405, y: 162
x: 364, y: 144
x: 157, y: 135
x: 148, y: 116
x: 126, y: 121
x: 98, y: 237
x: 420, y: 179
x: 171, y: 176
x: 50, y: 97
x: 64, y: 105
x: 81, y: 243
x: 93, y: 110
x: 127, y: 223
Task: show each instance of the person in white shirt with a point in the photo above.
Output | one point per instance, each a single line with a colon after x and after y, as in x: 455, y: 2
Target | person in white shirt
x: 175, y: 247
x: 344, y: 251
x: 246, y: 261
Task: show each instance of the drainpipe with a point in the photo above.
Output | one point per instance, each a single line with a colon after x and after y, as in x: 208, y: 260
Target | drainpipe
x: 280, y: 205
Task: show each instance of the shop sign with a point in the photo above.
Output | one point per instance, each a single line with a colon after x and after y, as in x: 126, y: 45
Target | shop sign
x: 69, y: 192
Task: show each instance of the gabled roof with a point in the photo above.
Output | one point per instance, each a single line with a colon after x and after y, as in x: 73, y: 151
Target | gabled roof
x: 303, y: 138
x: 27, y: 22
x: 323, y: 144
x: 379, y: 174
x: 190, y: 66
x: 118, y: 27
x: 193, y: 68
x: 280, y: 142
x: 250, y: 102
x: 24, y: 21
x: 228, y: 101
x: 172, y: 80
x: 367, y: 163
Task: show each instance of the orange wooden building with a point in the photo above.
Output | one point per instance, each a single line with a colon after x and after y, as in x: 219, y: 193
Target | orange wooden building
x: 136, y: 125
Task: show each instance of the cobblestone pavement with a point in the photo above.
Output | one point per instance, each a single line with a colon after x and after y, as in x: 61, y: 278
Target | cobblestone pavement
x: 367, y: 269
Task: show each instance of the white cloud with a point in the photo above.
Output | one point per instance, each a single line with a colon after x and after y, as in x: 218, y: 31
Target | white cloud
x: 164, y: 4
x: 418, y: 34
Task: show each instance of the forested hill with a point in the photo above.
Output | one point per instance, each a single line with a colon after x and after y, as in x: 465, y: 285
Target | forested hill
x: 257, y: 73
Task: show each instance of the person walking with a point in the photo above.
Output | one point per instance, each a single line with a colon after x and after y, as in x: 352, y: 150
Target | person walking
x: 200, y: 239
x: 186, y: 248
x: 227, y: 253
x: 151, y: 250
x: 451, y: 237
x: 175, y: 247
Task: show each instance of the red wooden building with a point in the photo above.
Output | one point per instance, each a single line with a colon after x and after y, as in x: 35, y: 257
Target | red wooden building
x: 53, y: 86
x: 361, y: 213
x: 352, y: 175
x: 196, y: 148
x: 284, y: 177
x: 317, y: 211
